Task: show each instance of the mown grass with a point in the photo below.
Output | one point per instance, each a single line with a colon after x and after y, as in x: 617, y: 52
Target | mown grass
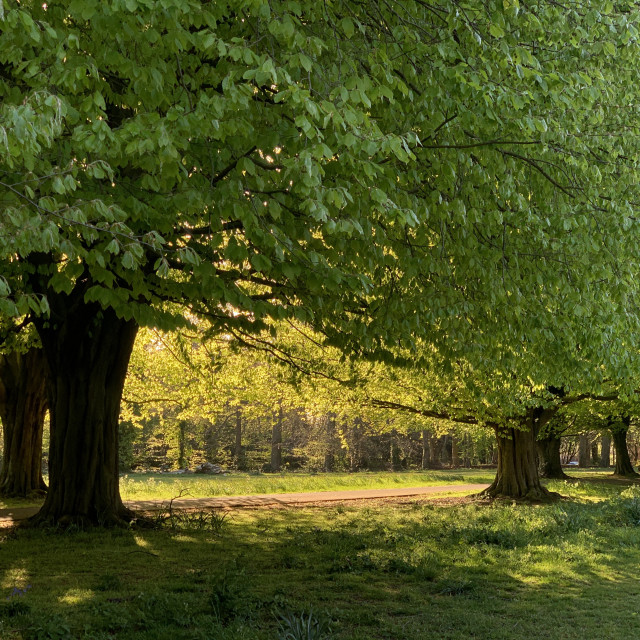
x: 163, y: 486
x: 416, y: 570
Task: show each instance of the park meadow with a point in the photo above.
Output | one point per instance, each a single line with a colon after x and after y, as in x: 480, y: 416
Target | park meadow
x: 414, y: 568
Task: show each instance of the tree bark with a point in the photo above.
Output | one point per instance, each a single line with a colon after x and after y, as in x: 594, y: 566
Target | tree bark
x: 517, y: 475
x: 549, y: 457
x: 276, y: 443
x: 623, y: 461
x: 87, y: 350
x: 605, y: 457
x: 23, y: 405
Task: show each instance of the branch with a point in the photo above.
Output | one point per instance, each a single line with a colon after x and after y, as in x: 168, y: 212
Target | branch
x: 227, y: 170
x: 387, y: 404
x: 538, y: 168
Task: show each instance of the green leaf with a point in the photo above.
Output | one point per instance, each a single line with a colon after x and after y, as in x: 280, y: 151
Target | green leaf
x: 305, y: 61
x: 347, y: 27
x: 113, y: 247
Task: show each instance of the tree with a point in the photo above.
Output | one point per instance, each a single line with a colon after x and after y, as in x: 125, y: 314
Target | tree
x: 276, y: 441
x: 379, y: 170
x: 619, y: 428
x: 548, y: 445
x: 583, y: 451
x: 605, y: 458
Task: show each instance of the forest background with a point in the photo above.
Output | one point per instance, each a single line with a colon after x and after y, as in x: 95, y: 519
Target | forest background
x: 187, y: 402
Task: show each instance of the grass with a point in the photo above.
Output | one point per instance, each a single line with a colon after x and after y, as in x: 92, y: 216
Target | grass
x: 396, y: 571
x: 162, y: 486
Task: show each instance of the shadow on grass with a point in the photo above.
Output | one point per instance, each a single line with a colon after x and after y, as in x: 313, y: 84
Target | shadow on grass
x: 403, y: 572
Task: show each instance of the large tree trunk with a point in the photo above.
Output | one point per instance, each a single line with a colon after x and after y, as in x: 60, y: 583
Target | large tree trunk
x: 87, y: 350
x: 23, y: 405
x: 549, y: 457
x: 623, y: 461
x: 517, y: 476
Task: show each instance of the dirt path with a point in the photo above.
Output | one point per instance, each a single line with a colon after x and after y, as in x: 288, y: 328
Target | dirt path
x: 9, y: 517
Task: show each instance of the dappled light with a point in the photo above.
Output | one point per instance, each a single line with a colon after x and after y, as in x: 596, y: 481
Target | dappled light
x: 411, y: 570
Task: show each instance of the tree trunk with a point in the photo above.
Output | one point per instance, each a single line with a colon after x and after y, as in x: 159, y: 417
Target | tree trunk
x: 623, y: 462
x: 329, y: 455
x: 517, y: 476
x: 605, y: 457
x: 583, y: 451
x: 355, y: 446
x: 445, y: 451
x: 425, y: 449
x: 276, y: 443
x: 436, y: 445
x: 87, y: 350
x: 394, y: 452
x: 455, y: 455
x: 468, y: 447
x: 237, y: 449
x: 23, y: 405
x: 595, y: 458
x: 549, y: 457
x: 182, y: 444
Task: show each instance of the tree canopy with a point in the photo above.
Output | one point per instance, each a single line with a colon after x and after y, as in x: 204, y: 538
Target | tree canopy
x: 250, y: 160
x: 455, y: 175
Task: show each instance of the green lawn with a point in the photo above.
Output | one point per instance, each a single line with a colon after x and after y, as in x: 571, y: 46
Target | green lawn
x: 416, y: 570
x: 162, y: 486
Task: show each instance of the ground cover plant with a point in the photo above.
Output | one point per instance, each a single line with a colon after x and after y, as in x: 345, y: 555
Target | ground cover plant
x: 388, y: 570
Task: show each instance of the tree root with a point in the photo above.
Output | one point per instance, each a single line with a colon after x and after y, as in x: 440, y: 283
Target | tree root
x: 122, y: 518
x: 533, y: 496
